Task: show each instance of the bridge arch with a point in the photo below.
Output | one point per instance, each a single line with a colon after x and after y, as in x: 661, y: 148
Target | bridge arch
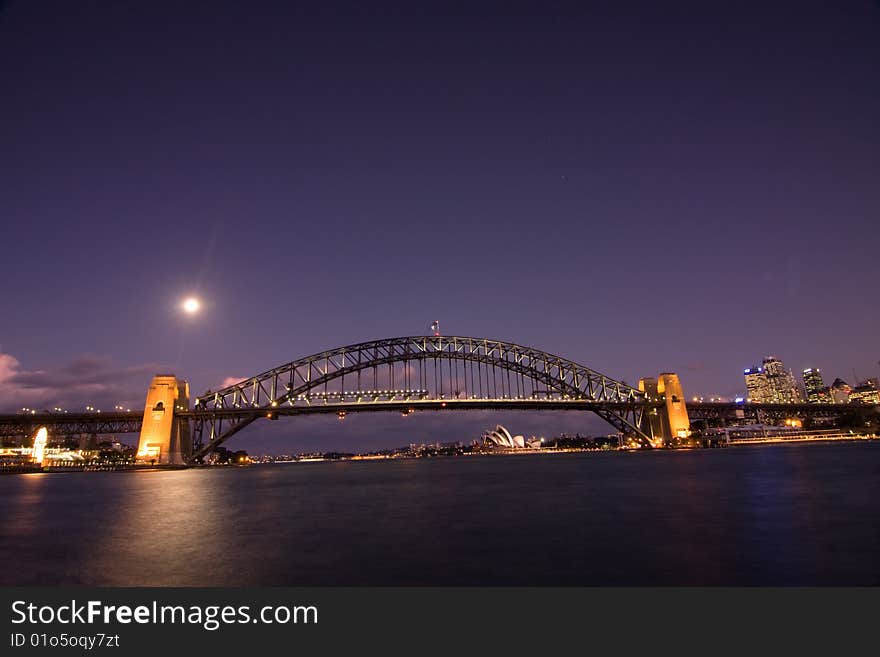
x: 458, y: 371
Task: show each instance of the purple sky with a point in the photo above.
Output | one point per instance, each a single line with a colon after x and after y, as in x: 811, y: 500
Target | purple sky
x: 640, y: 187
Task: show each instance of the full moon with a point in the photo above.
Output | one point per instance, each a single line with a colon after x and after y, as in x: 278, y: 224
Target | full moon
x: 191, y: 305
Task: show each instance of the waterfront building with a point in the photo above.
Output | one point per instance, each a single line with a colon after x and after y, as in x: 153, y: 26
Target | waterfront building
x: 840, y: 391
x: 500, y: 437
x: 814, y: 386
x: 867, y: 392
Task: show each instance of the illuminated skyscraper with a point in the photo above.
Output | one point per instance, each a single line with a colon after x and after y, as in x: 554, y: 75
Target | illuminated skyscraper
x: 814, y: 386
x: 756, y: 384
x: 772, y: 383
x: 781, y: 386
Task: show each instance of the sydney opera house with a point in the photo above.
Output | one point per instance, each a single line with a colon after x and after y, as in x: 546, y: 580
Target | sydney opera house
x: 500, y: 437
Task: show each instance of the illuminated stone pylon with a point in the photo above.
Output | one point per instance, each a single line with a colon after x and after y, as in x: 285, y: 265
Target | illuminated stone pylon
x: 653, y: 424
x: 669, y: 387
x: 671, y: 422
x: 165, y: 439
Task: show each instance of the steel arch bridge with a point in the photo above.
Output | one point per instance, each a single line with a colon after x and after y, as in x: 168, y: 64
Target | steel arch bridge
x: 413, y: 373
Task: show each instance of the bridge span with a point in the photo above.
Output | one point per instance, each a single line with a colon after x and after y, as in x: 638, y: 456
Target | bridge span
x: 25, y: 425
x: 404, y: 375
x: 430, y: 372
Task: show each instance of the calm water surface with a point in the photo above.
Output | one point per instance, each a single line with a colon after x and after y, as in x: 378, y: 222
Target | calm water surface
x: 781, y: 515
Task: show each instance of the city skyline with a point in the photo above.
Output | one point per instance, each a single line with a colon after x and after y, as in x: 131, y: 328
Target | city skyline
x: 601, y: 189
x: 772, y: 382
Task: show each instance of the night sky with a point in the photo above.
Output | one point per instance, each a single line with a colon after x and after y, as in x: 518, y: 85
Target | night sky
x: 638, y: 186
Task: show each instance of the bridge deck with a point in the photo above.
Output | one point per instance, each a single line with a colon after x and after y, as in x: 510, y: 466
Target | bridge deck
x: 413, y: 405
x: 71, y: 423
x: 130, y: 421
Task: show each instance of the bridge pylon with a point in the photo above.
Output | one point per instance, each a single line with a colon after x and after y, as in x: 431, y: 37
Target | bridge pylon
x: 165, y: 437
x: 670, y: 423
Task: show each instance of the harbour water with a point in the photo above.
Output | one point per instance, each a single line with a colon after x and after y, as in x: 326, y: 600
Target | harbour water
x: 771, y: 515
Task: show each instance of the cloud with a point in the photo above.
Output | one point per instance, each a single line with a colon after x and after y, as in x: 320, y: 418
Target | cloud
x: 8, y: 367
x: 85, y: 380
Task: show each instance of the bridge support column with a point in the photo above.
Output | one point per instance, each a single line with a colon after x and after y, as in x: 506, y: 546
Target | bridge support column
x: 669, y: 387
x: 165, y: 439
x: 670, y: 424
x: 654, y: 423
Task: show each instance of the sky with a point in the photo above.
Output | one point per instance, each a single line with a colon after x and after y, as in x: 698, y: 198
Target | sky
x: 640, y: 187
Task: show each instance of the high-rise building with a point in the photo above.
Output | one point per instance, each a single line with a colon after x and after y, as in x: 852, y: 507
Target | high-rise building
x: 756, y: 384
x: 772, y: 383
x: 781, y: 386
x: 814, y: 386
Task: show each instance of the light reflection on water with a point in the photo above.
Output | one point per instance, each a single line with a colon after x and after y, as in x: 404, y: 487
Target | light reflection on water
x: 783, y: 515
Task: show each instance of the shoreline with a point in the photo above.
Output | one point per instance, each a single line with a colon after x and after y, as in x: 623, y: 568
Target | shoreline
x: 760, y: 442
x: 572, y: 450
x: 55, y: 469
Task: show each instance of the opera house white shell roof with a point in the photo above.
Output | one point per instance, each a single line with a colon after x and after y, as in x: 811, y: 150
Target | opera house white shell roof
x: 501, y: 437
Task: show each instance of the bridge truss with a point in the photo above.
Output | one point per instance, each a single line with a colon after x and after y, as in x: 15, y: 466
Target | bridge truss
x: 418, y: 372
x: 25, y: 425
x: 735, y: 412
